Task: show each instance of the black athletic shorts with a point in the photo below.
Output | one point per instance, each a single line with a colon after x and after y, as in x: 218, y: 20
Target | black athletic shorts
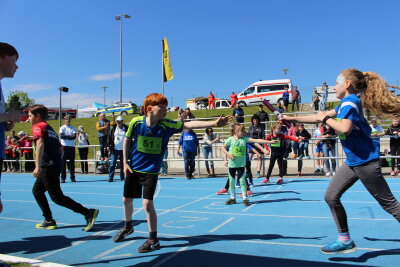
x: 137, y: 182
x: 285, y: 102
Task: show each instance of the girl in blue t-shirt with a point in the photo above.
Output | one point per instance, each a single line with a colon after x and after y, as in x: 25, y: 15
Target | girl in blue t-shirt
x: 356, y: 89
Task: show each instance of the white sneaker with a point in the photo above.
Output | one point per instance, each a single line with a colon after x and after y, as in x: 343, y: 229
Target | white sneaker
x: 328, y: 174
x: 333, y: 173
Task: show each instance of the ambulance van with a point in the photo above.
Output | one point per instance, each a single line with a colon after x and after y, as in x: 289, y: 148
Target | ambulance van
x: 270, y: 90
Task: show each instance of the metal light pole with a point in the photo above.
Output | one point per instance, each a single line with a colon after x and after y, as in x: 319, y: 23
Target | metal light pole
x: 61, y: 89
x: 285, y: 71
x: 120, y: 17
x: 104, y: 87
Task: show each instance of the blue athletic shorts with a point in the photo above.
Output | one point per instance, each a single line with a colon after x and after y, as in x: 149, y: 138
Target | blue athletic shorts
x: 318, y: 148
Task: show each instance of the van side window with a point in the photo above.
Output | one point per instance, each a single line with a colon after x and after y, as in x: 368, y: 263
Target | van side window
x: 263, y: 89
x: 277, y: 87
x: 249, y: 90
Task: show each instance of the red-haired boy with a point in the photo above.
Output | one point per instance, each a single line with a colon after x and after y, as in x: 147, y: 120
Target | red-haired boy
x: 145, y: 143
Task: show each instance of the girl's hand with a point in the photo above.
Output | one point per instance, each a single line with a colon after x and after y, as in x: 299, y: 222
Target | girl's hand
x: 266, y: 152
x: 223, y: 120
x: 231, y: 157
x: 273, y: 142
x: 225, y: 163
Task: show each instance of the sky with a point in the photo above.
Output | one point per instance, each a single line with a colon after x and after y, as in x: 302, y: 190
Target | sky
x: 217, y: 45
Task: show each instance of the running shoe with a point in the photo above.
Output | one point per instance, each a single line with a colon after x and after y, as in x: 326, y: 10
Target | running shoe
x: 279, y: 181
x: 299, y: 174
x: 249, y: 193
x: 251, y: 184
x: 149, y: 246
x: 110, y: 180
x: 223, y: 191
x: 307, y: 157
x: 317, y: 171
x: 300, y: 157
x: 328, y: 174
x: 246, y: 202
x: 265, y: 181
x: 393, y: 173
x: 333, y: 173
x: 90, y: 219
x: 294, y: 156
x: 339, y: 247
x: 237, y: 185
x: 62, y: 181
x: 51, y: 225
x: 258, y: 175
x: 123, y: 232
x: 230, y: 201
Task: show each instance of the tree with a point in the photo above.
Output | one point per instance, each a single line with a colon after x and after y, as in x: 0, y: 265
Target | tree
x: 18, y: 100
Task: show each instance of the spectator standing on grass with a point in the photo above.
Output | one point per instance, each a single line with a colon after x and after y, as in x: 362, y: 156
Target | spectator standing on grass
x: 115, y: 143
x: 315, y: 99
x: 209, y: 139
x: 295, y: 98
x: 279, y: 107
x: 234, y: 99
x: 394, y: 132
x: 8, y: 67
x: 376, y: 132
x: 324, y: 92
x: 102, y: 127
x: 211, y: 101
x: 263, y: 117
x: 238, y: 113
x: 67, y: 139
x: 15, y: 153
x: 285, y: 98
x: 83, y: 149
x: 190, y: 148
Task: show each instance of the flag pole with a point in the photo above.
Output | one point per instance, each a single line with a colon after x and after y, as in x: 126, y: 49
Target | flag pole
x: 162, y: 64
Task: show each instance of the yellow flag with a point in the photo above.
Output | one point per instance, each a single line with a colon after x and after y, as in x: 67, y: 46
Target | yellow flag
x: 168, y: 75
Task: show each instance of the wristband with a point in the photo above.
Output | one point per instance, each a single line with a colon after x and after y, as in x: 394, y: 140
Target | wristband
x: 325, y: 119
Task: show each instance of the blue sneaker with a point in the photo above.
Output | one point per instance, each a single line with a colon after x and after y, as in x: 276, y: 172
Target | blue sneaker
x: 339, y: 247
x: 237, y: 185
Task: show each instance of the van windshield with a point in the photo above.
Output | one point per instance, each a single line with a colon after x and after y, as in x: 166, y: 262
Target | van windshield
x: 249, y: 90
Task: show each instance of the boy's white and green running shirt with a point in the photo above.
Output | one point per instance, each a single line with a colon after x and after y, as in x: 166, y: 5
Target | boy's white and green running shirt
x: 149, y: 144
x: 237, y: 148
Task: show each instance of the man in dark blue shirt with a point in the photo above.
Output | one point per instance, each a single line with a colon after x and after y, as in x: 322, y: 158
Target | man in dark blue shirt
x: 190, y: 147
x: 238, y: 113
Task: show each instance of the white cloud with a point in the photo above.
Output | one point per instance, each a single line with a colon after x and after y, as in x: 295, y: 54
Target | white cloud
x: 31, y: 87
x: 110, y: 76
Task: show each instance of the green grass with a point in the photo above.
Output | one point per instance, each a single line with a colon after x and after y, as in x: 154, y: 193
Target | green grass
x: 16, y: 264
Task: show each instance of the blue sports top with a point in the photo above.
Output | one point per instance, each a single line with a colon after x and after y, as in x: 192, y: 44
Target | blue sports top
x: 188, y: 141
x: 357, y: 144
x: 149, y: 144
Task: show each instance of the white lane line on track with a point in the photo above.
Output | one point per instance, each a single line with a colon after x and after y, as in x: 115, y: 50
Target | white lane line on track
x: 273, y: 215
x: 170, y: 257
x: 105, y: 253
x: 221, y: 225
x: 84, y: 240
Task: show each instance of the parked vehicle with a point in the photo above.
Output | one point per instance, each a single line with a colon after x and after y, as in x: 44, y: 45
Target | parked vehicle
x: 270, y: 90
x: 119, y: 109
x: 53, y: 113
x: 222, y: 103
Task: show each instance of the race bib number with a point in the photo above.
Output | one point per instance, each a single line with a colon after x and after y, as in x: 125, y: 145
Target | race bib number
x: 277, y: 144
x: 238, y: 151
x: 149, y: 145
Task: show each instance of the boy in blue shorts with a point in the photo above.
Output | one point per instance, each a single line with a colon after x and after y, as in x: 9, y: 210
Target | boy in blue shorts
x: 145, y: 143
